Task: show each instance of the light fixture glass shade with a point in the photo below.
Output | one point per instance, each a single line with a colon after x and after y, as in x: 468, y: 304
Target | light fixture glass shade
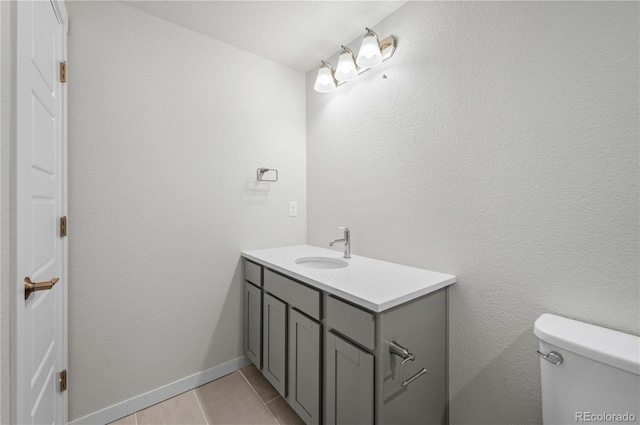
x: 369, y: 54
x: 346, y: 69
x: 324, y: 80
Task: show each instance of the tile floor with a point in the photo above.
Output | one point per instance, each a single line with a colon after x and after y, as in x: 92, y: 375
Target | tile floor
x: 244, y: 397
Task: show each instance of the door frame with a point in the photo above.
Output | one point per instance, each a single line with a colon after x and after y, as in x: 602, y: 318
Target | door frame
x: 16, y: 295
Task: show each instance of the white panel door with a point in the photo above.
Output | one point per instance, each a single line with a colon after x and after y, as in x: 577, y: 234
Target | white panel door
x: 38, y: 199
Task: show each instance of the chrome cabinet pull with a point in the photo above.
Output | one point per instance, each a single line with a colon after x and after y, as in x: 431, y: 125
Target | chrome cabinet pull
x: 406, y: 356
x: 553, y: 357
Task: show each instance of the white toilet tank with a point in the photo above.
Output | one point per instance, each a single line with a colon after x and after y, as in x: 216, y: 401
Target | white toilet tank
x: 598, y: 379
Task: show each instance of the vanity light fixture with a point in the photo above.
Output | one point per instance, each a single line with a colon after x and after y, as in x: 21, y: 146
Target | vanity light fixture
x: 372, y: 53
x: 346, y: 69
x: 369, y: 54
x: 325, y: 81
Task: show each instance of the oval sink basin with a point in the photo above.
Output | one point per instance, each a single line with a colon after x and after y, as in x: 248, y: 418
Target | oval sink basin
x: 322, y: 262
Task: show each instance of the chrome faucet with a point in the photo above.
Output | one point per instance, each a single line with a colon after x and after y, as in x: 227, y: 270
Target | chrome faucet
x: 346, y: 240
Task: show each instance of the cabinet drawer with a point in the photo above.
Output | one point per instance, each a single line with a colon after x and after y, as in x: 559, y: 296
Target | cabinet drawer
x: 304, y: 298
x: 252, y: 273
x: 355, y: 323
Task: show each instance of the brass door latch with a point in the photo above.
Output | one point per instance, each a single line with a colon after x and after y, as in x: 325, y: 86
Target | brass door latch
x: 30, y: 287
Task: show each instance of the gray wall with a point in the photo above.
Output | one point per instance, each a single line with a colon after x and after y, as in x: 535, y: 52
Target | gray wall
x: 166, y: 130
x: 503, y: 148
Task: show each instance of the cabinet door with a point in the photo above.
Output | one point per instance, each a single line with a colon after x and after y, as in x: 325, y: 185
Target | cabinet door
x: 274, y: 335
x: 253, y: 324
x: 304, y: 367
x: 349, y: 392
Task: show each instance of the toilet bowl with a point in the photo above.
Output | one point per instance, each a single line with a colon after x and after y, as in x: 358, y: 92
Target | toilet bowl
x: 589, y: 374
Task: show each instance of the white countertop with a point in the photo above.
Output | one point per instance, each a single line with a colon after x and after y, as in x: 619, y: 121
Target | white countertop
x: 373, y: 284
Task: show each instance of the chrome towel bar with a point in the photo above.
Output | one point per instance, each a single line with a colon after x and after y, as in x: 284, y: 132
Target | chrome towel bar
x: 260, y: 172
x: 400, y: 351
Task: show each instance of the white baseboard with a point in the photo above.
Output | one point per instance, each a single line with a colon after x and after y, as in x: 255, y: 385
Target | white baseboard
x: 135, y: 404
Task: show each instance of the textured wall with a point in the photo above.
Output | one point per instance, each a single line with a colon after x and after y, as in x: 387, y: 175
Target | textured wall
x: 502, y: 148
x: 166, y: 130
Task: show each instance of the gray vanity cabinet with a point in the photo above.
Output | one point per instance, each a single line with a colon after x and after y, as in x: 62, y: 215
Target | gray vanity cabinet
x: 274, y: 334
x: 338, y: 363
x: 304, y: 366
x: 349, y: 381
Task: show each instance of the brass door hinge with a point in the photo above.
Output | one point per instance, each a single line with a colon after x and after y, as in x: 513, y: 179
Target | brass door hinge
x: 63, y: 72
x: 63, y: 380
x: 63, y: 226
